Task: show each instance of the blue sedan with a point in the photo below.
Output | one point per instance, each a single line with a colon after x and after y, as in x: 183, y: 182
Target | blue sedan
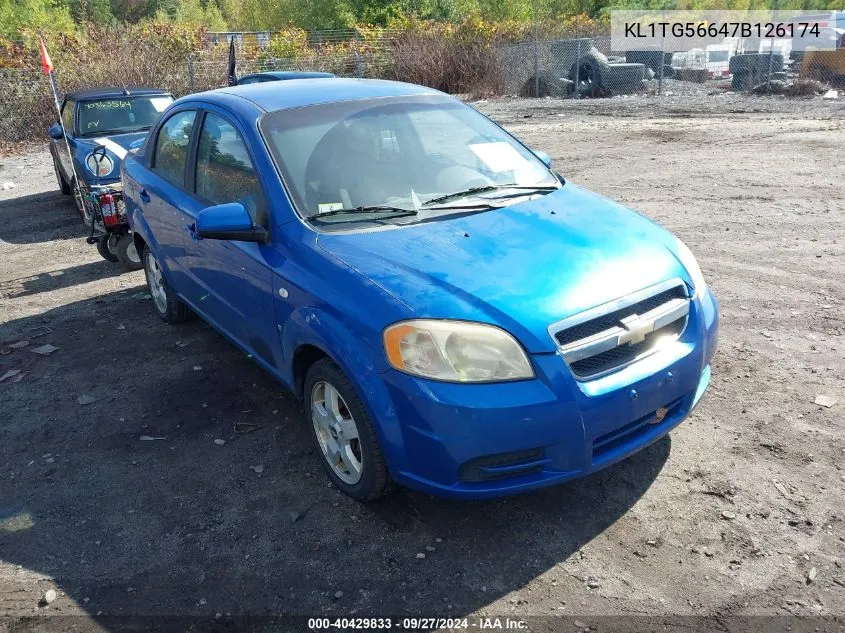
x: 455, y: 316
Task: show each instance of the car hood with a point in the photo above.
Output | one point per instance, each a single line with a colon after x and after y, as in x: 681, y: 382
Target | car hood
x: 117, y: 146
x: 522, y: 267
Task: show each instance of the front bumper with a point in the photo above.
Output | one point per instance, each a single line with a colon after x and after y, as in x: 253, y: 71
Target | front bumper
x: 486, y: 440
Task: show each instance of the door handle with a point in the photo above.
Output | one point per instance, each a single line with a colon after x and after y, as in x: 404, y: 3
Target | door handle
x: 145, y: 197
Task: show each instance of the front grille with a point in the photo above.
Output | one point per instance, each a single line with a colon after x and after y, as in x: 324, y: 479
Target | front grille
x: 625, y: 354
x: 607, y: 321
x: 600, y: 341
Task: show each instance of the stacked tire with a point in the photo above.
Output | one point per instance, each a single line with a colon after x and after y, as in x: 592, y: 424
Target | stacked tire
x: 749, y: 70
x: 624, y: 78
x: 590, y: 73
x: 650, y: 59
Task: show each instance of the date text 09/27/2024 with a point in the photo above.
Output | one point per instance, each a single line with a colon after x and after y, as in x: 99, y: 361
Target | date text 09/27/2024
x: 416, y: 624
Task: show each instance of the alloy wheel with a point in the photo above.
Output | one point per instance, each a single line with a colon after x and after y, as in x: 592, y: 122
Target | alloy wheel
x: 337, y: 433
x: 156, y: 283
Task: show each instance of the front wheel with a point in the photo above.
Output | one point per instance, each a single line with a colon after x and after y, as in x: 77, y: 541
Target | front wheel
x: 63, y: 186
x: 168, y: 306
x: 344, y: 433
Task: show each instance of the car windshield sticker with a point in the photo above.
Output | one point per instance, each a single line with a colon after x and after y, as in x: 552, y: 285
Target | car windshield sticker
x: 325, y: 207
x: 108, y: 105
x: 160, y: 103
x: 499, y: 156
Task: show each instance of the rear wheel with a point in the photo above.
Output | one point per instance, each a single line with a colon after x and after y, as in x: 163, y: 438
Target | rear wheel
x: 80, y: 201
x: 167, y: 305
x: 343, y: 433
x: 127, y: 254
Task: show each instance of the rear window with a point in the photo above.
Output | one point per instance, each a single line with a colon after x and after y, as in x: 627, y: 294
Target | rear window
x: 121, y: 114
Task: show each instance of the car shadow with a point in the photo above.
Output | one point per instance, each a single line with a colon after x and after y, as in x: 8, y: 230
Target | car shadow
x: 61, y: 278
x: 40, y: 217
x: 154, y: 470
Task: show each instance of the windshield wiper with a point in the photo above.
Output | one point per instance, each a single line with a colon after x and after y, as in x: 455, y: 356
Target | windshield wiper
x: 388, y: 211
x: 486, y: 189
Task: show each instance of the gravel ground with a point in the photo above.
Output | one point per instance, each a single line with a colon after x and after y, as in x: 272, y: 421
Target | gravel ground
x: 739, y: 512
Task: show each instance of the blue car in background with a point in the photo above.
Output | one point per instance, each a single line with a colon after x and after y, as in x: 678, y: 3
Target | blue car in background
x: 456, y: 317
x: 280, y: 75
x: 101, y: 125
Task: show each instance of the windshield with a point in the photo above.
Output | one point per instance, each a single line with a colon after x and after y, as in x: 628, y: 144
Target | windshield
x: 399, y: 154
x: 121, y: 114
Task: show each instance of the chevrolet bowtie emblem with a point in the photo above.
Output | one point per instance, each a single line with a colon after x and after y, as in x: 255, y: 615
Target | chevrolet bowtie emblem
x: 636, y: 329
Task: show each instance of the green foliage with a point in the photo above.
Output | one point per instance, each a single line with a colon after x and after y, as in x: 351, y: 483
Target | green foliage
x: 22, y: 18
x: 193, y: 12
x: 96, y: 11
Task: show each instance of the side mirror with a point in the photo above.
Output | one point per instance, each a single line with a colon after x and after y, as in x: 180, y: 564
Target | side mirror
x: 544, y: 158
x: 229, y: 221
x: 55, y: 131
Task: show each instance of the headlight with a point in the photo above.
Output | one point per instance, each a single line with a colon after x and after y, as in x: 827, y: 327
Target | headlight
x: 455, y: 351
x: 105, y: 167
x: 688, y: 261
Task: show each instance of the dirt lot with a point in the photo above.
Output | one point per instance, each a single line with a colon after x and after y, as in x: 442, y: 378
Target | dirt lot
x: 739, y: 512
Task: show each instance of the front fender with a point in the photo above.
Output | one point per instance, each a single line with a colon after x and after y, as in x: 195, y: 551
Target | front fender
x: 361, y: 363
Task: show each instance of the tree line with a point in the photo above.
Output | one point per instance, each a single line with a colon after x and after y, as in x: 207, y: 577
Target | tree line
x: 18, y: 16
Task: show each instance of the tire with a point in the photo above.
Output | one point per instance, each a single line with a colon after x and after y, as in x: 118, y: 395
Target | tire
x: 588, y: 72
x: 741, y: 80
x: 651, y: 59
x: 168, y: 306
x: 622, y: 79
x: 668, y: 71
x: 362, y: 472
x: 758, y: 64
x: 126, y: 252
x: 547, y: 85
x: 63, y: 186
x: 105, y: 251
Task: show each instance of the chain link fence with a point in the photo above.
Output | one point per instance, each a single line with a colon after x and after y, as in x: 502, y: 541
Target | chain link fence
x: 585, y: 67
x: 578, y: 66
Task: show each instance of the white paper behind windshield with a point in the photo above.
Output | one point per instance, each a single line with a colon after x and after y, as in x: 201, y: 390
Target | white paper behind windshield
x: 499, y: 156
x: 160, y: 103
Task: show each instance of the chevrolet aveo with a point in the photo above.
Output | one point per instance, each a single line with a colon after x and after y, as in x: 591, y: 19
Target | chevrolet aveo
x: 456, y: 316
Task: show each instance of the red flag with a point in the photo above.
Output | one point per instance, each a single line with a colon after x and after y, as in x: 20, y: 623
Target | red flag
x: 46, y: 62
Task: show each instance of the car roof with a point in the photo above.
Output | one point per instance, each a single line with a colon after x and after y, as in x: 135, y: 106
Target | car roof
x: 287, y: 74
x: 99, y: 93
x: 282, y: 95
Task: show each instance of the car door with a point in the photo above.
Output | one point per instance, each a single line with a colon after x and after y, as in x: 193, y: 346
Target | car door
x: 231, y: 281
x: 163, y: 195
x: 60, y: 147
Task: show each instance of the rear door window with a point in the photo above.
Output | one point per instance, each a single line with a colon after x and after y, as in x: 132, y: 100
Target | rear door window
x: 171, y: 149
